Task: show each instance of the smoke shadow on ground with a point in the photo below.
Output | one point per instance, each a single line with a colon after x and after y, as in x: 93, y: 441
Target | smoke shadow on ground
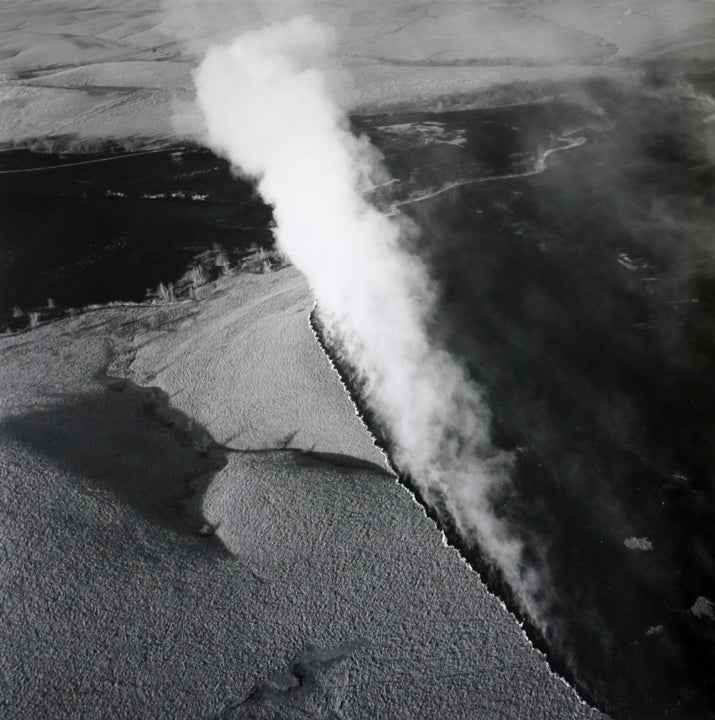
x: 121, y: 441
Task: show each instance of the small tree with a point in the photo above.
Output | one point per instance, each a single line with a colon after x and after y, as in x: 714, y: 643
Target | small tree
x: 166, y: 292
x: 197, y: 275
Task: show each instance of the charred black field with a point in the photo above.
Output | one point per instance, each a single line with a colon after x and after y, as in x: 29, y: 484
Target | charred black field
x: 571, y: 245
x: 582, y: 298
x: 110, y: 225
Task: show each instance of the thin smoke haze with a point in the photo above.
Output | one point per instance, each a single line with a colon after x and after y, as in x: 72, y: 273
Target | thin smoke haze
x: 268, y: 102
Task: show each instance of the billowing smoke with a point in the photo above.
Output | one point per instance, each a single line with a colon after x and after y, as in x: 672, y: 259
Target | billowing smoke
x: 269, y: 108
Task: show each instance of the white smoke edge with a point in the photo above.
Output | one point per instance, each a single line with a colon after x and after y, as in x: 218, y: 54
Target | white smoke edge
x: 321, y: 344
x: 362, y: 174
x: 449, y: 546
x: 257, y: 96
x: 267, y: 108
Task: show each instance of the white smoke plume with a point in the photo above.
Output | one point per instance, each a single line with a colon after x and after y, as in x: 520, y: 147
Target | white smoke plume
x: 269, y: 108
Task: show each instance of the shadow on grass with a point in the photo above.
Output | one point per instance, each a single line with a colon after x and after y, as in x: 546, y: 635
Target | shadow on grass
x: 128, y: 442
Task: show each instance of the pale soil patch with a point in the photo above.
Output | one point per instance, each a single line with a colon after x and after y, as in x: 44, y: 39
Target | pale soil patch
x: 167, y: 554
